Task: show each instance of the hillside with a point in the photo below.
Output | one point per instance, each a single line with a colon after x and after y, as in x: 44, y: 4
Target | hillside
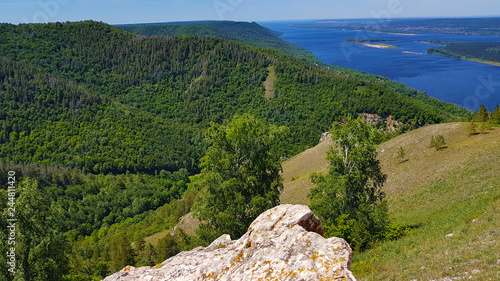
x: 449, y: 198
x: 182, y: 82
x: 103, y: 129
x: 245, y: 32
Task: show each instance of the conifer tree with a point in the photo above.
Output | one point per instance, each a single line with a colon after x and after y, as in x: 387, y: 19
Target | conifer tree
x: 438, y: 142
x: 122, y: 253
x: 401, y: 154
x: 496, y: 114
x: 481, y: 115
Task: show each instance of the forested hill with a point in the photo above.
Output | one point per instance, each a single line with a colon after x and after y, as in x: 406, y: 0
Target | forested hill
x: 90, y: 96
x: 482, y: 51
x: 245, y: 32
x: 103, y: 127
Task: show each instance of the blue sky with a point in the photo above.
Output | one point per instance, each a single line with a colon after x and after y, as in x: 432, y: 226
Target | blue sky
x: 143, y: 11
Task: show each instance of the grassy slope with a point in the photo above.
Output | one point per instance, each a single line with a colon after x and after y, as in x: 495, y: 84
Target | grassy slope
x: 436, y: 192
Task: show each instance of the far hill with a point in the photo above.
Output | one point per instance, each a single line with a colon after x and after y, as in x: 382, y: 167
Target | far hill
x: 245, y: 32
x: 110, y: 124
x: 486, y: 52
x: 66, y: 75
x: 450, y: 199
x: 260, y: 36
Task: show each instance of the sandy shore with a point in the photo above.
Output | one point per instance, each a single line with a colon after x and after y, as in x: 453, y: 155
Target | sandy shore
x: 380, y: 46
x: 409, y: 52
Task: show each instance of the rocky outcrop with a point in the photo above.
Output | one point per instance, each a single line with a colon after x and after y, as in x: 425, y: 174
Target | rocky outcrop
x: 326, y: 136
x: 283, y: 243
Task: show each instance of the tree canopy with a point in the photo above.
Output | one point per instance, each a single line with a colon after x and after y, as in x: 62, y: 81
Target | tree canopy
x: 349, y: 199
x: 241, y: 174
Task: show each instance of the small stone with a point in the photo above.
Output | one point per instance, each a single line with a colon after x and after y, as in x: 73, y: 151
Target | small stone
x: 450, y: 235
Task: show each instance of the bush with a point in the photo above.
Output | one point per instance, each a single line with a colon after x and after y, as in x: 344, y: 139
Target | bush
x: 438, y: 142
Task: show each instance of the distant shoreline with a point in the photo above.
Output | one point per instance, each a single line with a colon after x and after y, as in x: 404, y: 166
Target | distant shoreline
x: 483, y: 61
x: 470, y: 59
x: 482, y: 52
x: 395, y: 33
x: 392, y: 33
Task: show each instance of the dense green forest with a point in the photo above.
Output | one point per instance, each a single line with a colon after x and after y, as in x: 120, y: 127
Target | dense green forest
x: 486, y: 51
x: 248, y: 33
x: 80, y: 79
x: 256, y: 35
x: 103, y: 129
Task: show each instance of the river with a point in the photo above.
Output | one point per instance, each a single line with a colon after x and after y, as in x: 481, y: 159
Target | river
x: 462, y: 82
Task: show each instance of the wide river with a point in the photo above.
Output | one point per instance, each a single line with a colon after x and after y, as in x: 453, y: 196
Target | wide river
x: 462, y: 82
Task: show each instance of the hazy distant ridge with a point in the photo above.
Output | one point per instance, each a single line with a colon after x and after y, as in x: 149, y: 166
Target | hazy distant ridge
x: 245, y: 32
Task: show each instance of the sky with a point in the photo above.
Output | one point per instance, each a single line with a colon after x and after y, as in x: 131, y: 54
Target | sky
x: 149, y: 11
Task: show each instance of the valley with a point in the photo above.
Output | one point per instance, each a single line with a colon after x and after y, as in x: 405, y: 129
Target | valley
x: 108, y: 132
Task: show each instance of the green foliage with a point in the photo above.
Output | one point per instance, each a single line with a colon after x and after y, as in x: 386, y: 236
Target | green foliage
x: 401, y: 154
x: 487, y: 51
x: 349, y: 200
x: 438, y: 142
x: 395, y: 231
x: 481, y: 115
x: 241, y: 173
x: 248, y: 33
x: 92, y: 97
x: 167, y: 247
x: 40, y: 247
x: 87, y: 205
x: 472, y: 129
x: 486, y: 120
x: 496, y: 115
x: 121, y: 253
x: 110, y: 125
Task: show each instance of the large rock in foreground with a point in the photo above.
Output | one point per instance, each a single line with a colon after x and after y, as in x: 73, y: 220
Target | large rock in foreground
x: 283, y: 243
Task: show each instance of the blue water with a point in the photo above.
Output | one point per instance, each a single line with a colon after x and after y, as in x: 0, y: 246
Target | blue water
x: 462, y: 82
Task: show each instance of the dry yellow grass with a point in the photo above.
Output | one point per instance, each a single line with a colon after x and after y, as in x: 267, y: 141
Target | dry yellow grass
x: 426, y: 165
x: 296, y: 172
x: 453, y: 191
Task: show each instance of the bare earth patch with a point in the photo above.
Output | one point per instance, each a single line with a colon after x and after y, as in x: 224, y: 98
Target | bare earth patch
x: 269, y: 83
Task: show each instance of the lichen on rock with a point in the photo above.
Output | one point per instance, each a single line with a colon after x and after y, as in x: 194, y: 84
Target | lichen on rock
x: 283, y: 243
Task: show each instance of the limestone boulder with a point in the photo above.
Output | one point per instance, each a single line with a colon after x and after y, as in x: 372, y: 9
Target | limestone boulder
x: 283, y: 243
